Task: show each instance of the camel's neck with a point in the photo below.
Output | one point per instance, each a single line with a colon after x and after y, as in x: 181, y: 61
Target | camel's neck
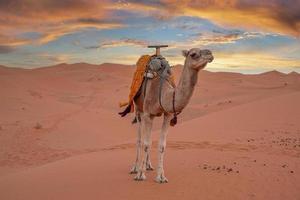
x: 185, y: 88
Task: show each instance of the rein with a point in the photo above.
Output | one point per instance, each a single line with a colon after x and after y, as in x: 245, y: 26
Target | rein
x: 173, y: 121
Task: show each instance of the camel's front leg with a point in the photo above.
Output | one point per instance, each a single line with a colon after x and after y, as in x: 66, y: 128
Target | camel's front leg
x: 145, y: 147
x: 160, y: 178
x: 134, y: 168
x: 149, y: 166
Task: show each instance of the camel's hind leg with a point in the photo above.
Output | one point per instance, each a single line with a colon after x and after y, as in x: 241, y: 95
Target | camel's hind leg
x: 160, y: 178
x: 143, y: 156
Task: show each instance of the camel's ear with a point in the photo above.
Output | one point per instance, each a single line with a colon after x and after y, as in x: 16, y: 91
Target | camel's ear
x: 185, y: 53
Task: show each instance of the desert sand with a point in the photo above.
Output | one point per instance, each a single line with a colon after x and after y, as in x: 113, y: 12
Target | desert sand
x: 61, y: 137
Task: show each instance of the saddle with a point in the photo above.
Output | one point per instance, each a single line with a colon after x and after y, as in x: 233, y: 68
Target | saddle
x: 149, y: 67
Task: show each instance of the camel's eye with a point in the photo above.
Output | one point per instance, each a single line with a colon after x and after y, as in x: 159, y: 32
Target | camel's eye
x: 193, y: 55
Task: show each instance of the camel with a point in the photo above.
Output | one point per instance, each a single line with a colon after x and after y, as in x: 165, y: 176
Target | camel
x: 173, y: 100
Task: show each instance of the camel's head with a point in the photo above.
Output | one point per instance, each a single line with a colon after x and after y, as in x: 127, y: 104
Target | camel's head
x: 196, y: 58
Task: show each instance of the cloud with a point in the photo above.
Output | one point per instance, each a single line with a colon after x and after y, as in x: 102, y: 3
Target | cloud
x: 212, y: 40
x: 6, y: 49
x: 12, y: 41
x: 253, y: 60
x: 61, y: 58
x: 276, y: 16
x: 204, y: 40
x: 53, y: 33
x: 146, y: 7
x: 53, y: 19
x: 120, y: 43
x: 246, y: 61
x: 272, y: 15
x: 9, y: 43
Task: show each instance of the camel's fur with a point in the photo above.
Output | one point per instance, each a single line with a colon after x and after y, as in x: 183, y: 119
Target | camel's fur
x: 148, y: 107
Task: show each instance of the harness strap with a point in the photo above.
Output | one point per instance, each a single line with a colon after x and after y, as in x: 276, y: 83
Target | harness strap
x: 146, y: 79
x: 145, y: 85
x: 162, y: 80
x: 163, y: 77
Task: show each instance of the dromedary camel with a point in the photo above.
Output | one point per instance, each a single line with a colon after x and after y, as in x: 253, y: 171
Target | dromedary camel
x: 173, y: 99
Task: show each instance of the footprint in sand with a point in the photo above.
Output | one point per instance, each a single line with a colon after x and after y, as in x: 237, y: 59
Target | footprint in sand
x: 35, y: 94
x: 38, y: 126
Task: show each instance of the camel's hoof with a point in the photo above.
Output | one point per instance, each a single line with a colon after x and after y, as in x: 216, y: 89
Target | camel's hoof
x: 161, y: 179
x: 140, y: 177
x: 133, y: 170
x: 149, y: 167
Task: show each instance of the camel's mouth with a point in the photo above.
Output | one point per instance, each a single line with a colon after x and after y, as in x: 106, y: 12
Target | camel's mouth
x: 210, y: 58
x: 206, y: 58
x: 207, y: 55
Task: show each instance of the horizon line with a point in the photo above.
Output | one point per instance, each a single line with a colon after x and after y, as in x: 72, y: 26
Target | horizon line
x: 227, y: 70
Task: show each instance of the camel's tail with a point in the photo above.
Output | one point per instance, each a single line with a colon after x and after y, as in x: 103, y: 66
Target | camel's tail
x: 126, y: 111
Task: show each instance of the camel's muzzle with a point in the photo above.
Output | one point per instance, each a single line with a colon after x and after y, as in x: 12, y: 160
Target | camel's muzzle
x: 211, y: 58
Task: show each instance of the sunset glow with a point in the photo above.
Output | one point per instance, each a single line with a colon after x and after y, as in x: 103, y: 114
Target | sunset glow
x: 245, y: 36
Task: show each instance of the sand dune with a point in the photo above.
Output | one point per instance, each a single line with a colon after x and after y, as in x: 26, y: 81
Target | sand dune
x: 239, y: 138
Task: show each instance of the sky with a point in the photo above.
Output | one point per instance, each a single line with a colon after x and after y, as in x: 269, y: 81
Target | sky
x: 248, y: 36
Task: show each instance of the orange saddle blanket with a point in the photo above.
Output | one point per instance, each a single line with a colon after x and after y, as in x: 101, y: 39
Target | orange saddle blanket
x: 137, y: 80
